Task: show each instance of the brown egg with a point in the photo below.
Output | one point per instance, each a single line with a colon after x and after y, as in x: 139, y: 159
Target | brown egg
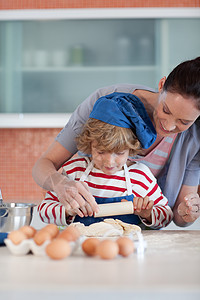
x: 126, y: 246
x: 89, y: 246
x: 107, y: 249
x: 70, y: 234
x: 58, y: 249
x: 29, y: 231
x: 41, y: 236
x: 17, y: 236
x: 52, y: 229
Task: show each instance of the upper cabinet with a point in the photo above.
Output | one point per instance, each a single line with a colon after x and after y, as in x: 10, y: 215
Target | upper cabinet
x: 51, y: 66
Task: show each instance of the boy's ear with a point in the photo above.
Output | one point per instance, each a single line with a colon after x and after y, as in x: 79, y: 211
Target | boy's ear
x: 161, y: 83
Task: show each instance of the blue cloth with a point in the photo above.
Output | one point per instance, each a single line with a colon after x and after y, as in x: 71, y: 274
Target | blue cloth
x: 127, y: 111
x: 131, y: 218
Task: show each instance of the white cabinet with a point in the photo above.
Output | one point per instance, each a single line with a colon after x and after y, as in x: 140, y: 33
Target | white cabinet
x: 50, y: 66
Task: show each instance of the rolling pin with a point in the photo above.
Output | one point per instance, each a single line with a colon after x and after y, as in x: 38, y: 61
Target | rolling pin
x: 113, y: 209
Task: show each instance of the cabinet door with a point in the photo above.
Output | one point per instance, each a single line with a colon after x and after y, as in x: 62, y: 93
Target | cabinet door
x: 52, y: 66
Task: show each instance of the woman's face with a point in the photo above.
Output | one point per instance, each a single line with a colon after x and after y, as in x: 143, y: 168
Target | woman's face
x: 173, y: 113
x: 108, y: 162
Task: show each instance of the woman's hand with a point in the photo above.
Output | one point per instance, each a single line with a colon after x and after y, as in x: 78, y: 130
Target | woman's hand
x: 189, y: 208
x: 74, y: 195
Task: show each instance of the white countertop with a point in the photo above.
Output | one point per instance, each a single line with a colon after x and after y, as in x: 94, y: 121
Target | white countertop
x: 168, y: 269
x: 34, y: 120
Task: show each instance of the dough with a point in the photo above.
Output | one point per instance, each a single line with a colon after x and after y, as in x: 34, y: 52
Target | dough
x: 108, y: 227
x: 98, y: 229
x: 128, y: 228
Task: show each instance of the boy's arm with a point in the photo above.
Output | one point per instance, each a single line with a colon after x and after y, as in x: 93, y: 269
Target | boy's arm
x: 52, y: 211
x: 161, y: 214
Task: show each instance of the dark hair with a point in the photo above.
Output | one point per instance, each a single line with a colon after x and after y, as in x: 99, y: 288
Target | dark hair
x: 185, y: 80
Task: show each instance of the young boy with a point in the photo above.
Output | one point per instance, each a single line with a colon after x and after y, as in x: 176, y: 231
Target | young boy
x: 107, y: 140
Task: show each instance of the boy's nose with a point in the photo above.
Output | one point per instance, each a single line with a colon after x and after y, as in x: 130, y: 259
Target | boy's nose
x: 109, y: 159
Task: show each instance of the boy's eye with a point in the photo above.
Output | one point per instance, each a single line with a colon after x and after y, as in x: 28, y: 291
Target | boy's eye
x: 120, y: 153
x: 100, y: 152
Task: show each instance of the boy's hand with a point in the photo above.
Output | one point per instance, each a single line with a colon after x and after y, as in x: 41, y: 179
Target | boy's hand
x: 143, y: 207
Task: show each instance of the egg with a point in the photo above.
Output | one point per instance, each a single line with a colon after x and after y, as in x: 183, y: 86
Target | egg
x: 17, y: 236
x: 41, y: 236
x: 52, y: 229
x: 71, y: 234
x: 126, y: 246
x: 89, y: 246
x: 107, y: 249
x: 28, y: 230
x: 58, y: 249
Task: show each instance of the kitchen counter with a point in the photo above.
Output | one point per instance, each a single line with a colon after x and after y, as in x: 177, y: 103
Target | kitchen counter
x: 170, y: 267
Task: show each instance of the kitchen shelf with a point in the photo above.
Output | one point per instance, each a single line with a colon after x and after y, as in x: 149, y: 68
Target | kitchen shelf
x: 91, y: 69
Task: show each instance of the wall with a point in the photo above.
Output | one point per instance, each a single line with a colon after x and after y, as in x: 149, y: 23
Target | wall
x: 33, y: 4
x: 20, y: 148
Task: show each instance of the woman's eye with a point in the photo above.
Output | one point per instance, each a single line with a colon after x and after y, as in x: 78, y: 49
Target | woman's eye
x: 165, y: 110
x: 185, y: 123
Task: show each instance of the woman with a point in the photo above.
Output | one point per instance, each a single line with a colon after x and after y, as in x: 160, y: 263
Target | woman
x: 174, y: 111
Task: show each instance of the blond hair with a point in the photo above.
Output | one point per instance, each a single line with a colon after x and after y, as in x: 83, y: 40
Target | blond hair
x: 107, y: 137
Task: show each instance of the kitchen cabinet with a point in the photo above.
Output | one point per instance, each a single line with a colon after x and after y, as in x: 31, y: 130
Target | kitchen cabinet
x: 51, y: 66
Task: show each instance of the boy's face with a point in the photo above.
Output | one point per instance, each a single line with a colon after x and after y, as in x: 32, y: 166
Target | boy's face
x: 109, y: 162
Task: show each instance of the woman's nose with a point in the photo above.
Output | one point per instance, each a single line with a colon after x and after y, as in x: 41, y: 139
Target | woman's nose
x: 169, y: 125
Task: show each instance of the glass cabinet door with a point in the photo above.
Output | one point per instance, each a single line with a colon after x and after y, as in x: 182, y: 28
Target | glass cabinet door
x: 52, y: 66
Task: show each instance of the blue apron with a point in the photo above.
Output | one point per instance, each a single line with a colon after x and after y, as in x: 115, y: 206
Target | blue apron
x: 131, y: 218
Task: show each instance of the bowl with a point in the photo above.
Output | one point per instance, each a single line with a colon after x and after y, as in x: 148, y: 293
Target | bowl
x: 15, y: 215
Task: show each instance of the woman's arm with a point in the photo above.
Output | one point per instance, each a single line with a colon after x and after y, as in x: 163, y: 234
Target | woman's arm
x: 72, y: 194
x: 50, y: 162
x: 187, y: 206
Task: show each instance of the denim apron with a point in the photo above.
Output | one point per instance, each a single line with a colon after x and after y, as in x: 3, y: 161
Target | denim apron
x: 131, y: 218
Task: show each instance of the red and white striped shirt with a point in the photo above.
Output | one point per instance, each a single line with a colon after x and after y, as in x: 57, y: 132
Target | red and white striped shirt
x: 109, y: 186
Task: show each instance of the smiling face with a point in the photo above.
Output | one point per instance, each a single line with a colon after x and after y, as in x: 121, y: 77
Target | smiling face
x: 108, y: 162
x: 173, y: 113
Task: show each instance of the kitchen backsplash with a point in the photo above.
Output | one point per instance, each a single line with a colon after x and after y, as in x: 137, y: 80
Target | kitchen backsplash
x: 19, y: 149
x: 49, y: 4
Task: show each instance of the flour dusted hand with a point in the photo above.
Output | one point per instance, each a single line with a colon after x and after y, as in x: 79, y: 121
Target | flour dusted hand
x: 189, y: 208
x: 74, y: 195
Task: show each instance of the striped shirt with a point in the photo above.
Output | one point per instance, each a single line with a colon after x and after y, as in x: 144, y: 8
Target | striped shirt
x: 157, y: 157
x: 109, y: 186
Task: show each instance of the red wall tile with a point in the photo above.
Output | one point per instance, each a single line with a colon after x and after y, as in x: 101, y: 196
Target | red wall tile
x: 19, y: 149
